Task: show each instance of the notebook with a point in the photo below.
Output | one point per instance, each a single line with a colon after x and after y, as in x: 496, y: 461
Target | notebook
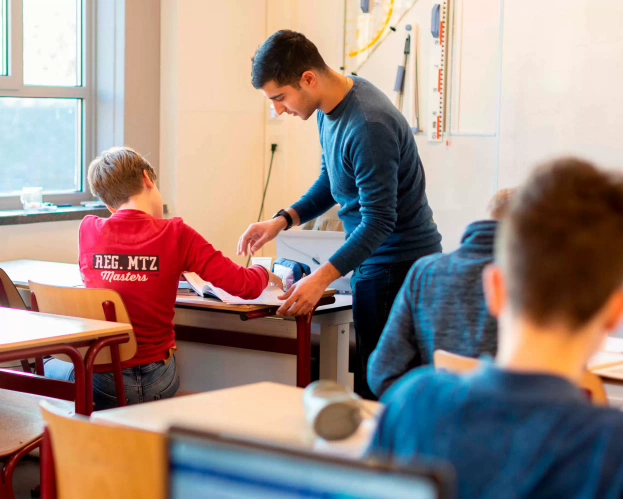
x: 203, y: 288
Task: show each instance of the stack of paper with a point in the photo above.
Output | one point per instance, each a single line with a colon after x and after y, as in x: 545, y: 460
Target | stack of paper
x: 203, y: 288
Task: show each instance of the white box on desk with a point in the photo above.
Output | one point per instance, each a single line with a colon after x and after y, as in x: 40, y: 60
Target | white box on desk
x: 313, y: 247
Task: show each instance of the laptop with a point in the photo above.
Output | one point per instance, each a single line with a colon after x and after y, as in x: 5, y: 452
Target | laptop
x: 313, y: 247
x: 209, y: 465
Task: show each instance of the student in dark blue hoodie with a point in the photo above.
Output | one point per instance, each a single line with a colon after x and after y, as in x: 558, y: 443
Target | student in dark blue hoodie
x: 520, y: 427
x: 441, y: 305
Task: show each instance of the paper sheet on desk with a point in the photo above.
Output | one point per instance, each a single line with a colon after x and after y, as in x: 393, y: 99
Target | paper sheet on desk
x: 268, y: 297
x: 609, y: 361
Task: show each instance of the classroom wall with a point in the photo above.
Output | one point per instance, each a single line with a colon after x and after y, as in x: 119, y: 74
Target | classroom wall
x: 298, y: 157
x: 58, y: 241
x: 461, y: 174
x: 212, y: 120
x: 561, y: 79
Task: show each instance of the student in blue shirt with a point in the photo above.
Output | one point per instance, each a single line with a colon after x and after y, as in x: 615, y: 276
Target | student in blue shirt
x: 441, y: 305
x: 370, y: 167
x: 520, y: 427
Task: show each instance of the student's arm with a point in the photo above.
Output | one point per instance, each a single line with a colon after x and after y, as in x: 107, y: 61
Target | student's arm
x: 397, y: 352
x: 375, y: 155
x: 211, y: 265
x: 318, y: 198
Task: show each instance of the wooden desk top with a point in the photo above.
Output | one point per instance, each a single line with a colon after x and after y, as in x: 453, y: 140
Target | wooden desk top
x: 268, y: 412
x: 53, y: 273
x: 193, y: 300
x: 21, y: 329
x: 68, y: 274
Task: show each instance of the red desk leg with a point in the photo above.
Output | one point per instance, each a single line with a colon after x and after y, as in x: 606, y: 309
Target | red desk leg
x: 48, y: 472
x: 68, y: 350
x: 303, y: 338
x: 89, y: 363
x: 303, y: 344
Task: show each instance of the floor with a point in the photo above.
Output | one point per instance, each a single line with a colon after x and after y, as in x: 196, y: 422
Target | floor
x: 26, y: 477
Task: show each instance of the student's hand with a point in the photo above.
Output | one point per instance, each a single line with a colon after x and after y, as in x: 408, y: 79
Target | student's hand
x: 258, y: 234
x: 303, y: 296
x: 274, y: 280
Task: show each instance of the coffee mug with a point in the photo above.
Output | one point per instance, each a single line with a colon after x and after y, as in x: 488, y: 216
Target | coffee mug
x: 31, y: 197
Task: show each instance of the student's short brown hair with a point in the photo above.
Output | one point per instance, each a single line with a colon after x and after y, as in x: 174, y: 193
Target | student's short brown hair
x: 561, y: 243
x: 117, y: 174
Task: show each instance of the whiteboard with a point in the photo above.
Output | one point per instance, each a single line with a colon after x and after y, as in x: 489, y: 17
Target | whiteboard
x: 562, y: 84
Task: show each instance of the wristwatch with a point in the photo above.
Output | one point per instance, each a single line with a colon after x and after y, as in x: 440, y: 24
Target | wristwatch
x: 286, y: 215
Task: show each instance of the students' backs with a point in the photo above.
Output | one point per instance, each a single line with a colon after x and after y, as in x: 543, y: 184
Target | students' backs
x: 508, y: 435
x: 141, y: 257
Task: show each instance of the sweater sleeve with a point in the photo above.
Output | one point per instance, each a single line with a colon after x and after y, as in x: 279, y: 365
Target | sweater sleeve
x: 375, y: 156
x: 211, y: 265
x: 318, y: 198
x: 397, y: 352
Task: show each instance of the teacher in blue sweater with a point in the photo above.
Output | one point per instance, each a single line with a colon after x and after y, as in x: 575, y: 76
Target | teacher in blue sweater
x: 370, y: 167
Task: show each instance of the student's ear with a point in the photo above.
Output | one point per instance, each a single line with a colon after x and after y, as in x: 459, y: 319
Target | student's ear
x: 148, y: 183
x: 111, y: 209
x: 614, y: 311
x: 495, y: 289
x: 308, y: 79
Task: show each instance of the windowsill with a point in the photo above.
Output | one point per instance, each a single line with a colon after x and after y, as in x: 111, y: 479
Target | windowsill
x: 21, y: 217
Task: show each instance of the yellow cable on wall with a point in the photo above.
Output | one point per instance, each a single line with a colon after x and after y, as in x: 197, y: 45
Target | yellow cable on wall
x: 378, y: 35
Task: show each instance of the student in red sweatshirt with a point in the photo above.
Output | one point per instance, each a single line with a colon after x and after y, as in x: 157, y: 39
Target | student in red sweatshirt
x: 141, y: 256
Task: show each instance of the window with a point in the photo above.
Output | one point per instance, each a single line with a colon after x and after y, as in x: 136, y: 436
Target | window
x: 45, y: 99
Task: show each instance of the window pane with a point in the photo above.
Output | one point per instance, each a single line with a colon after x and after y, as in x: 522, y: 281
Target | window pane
x: 3, y: 39
x: 52, y: 42
x: 40, y: 144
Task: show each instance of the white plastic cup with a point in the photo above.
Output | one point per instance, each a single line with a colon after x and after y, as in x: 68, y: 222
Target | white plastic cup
x: 331, y: 410
x: 31, y: 197
x: 264, y: 261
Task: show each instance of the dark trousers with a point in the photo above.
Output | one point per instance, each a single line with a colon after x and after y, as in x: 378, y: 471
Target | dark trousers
x: 375, y: 287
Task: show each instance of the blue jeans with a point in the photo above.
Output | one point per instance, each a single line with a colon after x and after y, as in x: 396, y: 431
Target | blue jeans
x: 375, y: 286
x: 142, y: 383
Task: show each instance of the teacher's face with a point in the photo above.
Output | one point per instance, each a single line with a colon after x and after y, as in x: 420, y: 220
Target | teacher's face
x: 294, y: 101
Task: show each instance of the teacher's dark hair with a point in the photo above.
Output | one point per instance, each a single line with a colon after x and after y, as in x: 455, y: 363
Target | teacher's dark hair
x: 283, y: 58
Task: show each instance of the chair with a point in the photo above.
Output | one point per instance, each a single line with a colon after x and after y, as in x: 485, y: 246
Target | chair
x: 9, y: 295
x: 98, y: 304
x: 590, y: 382
x: 21, y: 430
x: 101, y: 461
x: 10, y: 298
x: 453, y: 362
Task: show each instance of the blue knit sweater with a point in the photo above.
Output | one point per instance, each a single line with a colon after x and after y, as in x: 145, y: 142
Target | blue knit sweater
x: 441, y: 305
x: 371, y: 168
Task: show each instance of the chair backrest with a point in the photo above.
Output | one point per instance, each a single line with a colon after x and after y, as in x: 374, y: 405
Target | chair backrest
x: 9, y: 295
x: 454, y: 363
x: 100, y: 461
x: 86, y: 304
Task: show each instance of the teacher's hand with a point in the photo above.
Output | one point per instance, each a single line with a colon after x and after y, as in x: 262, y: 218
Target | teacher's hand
x: 258, y: 234
x: 303, y: 296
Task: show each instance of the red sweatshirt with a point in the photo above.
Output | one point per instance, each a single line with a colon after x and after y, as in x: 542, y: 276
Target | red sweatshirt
x: 141, y: 258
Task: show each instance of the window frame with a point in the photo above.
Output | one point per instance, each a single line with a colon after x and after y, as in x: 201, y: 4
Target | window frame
x: 13, y: 86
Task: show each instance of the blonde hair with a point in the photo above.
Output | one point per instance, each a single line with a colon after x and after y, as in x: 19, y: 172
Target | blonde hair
x: 117, y: 174
x: 499, y: 204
